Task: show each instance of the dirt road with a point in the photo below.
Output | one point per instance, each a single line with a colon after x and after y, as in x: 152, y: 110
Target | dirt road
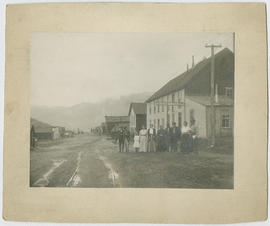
x: 75, y: 162
x: 94, y: 161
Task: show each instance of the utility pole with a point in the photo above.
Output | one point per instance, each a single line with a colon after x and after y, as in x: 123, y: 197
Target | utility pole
x: 213, y: 121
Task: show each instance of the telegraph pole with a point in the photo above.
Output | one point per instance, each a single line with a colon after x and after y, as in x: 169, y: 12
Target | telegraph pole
x: 213, y: 121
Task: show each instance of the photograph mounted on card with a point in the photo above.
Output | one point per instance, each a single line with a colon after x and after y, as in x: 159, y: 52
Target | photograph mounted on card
x: 111, y: 110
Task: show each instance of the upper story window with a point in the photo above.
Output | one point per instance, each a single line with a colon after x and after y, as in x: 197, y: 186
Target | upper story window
x: 173, y: 98
x: 228, y: 91
x: 154, y: 108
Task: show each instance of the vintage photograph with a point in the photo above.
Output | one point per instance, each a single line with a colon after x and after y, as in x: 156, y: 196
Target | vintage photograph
x: 132, y: 110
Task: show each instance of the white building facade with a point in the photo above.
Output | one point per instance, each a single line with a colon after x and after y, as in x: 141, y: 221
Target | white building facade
x: 166, y: 109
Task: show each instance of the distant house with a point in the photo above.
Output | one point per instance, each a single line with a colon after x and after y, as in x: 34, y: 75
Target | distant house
x: 69, y: 133
x: 187, y: 97
x: 44, y: 131
x: 114, y: 122
x: 61, y: 130
x: 137, y: 116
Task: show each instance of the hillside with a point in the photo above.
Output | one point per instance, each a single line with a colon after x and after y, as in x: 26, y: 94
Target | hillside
x: 86, y: 115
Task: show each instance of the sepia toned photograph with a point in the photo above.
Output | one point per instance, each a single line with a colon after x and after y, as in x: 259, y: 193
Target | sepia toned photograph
x: 132, y: 110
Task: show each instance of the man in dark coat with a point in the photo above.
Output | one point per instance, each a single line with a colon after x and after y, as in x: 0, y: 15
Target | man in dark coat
x: 174, y: 137
x: 121, y: 139
x: 126, y: 139
x: 161, y: 139
x: 167, y: 138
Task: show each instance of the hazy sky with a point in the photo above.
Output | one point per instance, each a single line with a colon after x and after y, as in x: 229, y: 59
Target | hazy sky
x: 71, y: 68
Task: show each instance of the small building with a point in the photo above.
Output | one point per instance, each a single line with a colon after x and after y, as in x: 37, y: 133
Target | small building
x: 199, y: 108
x: 44, y: 131
x: 69, y: 133
x: 61, y: 131
x: 112, y: 121
x: 137, y: 116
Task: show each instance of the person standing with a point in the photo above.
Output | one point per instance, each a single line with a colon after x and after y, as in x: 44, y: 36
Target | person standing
x: 143, y: 139
x: 161, y: 140
x: 174, y: 137
x: 151, y: 138
x: 168, y: 142
x: 136, y: 143
x: 186, y: 138
x: 121, y: 139
x: 126, y: 139
x: 194, y: 135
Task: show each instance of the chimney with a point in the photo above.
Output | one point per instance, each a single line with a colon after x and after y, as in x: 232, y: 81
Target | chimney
x: 193, y: 61
x: 187, y: 67
x: 216, y: 94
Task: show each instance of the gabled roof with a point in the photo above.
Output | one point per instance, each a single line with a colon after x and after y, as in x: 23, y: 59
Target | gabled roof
x: 116, y: 118
x: 185, y: 78
x: 138, y: 108
x: 206, y: 100
x: 41, y: 127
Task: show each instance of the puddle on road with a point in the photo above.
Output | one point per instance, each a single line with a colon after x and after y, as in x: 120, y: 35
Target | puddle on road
x: 75, y: 179
x: 113, y: 175
x: 44, y: 180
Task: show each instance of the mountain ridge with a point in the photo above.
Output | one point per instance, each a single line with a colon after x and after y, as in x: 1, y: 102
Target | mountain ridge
x: 86, y: 115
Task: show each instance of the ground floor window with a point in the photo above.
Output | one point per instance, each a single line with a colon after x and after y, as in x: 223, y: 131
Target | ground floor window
x: 225, y: 120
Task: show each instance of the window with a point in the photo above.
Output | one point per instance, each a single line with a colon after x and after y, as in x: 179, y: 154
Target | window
x: 172, y: 108
x: 191, y: 115
x: 228, y: 91
x: 225, y: 121
x: 158, y: 107
x: 162, y: 122
x: 162, y: 104
x: 173, y: 118
x: 179, y: 99
x: 154, y: 108
x: 154, y: 123
x: 158, y: 123
x: 173, y: 98
x: 168, y: 120
x: 179, y: 119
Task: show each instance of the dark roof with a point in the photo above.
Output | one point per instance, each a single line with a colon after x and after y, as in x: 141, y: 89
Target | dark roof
x: 206, y: 101
x: 41, y: 127
x: 138, y: 108
x: 116, y: 118
x: 182, y: 80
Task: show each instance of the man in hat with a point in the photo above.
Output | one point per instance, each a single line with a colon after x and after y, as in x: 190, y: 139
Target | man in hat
x: 174, y: 135
x: 121, y: 139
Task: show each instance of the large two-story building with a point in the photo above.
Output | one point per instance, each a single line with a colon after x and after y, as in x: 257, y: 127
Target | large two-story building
x: 187, y: 97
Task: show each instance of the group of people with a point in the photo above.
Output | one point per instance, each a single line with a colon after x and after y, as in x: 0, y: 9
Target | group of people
x: 171, y: 139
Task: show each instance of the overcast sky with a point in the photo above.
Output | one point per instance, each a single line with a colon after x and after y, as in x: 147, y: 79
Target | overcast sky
x: 71, y: 68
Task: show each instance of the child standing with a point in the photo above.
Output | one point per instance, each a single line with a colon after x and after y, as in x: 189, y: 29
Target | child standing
x: 136, y: 144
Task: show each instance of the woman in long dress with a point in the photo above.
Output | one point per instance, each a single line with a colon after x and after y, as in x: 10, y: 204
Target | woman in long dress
x: 136, y: 144
x: 151, y: 139
x: 143, y: 139
x: 186, y: 140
